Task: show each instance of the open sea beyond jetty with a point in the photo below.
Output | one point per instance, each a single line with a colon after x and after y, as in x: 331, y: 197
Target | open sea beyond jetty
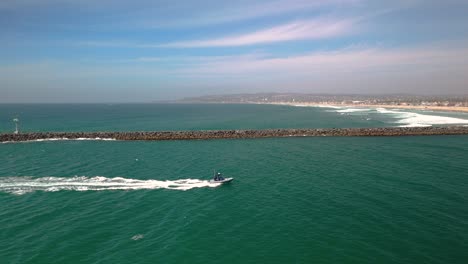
x: 293, y: 200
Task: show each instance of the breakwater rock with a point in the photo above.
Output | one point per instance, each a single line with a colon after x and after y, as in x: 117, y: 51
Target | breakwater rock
x: 225, y: 134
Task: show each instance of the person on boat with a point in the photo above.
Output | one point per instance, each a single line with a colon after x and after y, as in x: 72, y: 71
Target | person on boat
x: 219, y: 177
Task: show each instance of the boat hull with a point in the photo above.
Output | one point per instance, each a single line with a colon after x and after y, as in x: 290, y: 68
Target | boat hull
x: 226, y: 180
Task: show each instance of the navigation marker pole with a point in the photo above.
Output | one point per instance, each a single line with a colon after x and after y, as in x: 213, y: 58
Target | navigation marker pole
x: 16, y: 120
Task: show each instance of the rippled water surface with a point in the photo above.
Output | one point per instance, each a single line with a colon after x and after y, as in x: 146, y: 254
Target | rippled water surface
x: 293, y: 200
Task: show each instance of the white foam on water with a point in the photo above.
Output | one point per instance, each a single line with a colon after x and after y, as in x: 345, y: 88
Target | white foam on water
x: 415, y: 125
x: 98, y: 138
x: 137, y: 237
x: 328, y: 106
x: 26, y: 184
x: 386, y: 111
x: 317, y: 105
x: 406, y: 119
x: 411, y: 119
x: 61, y: 139
x: 352, y: 110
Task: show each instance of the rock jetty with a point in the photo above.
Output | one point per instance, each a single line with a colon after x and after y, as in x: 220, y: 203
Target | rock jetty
x: 239, y: 134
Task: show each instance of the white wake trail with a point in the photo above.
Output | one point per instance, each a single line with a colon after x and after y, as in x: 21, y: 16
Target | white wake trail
x: 22, y: 185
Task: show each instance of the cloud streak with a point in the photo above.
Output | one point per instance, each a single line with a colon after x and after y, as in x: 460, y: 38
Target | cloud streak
x: 359, y: 61
x: 213, y: 15
x: 321, y: 28
x: 154, y: 13
x: 350, y: 70
x: 300, y: 30
x: 356, y: 60
x: 350, y: 60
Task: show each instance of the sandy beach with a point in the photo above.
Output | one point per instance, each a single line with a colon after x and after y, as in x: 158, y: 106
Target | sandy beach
x: 414, y: 107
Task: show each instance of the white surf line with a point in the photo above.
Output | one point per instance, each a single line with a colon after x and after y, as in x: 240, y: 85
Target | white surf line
x: 26, y: 184
x: 412, y: 119
x: 316, y: 105
x: 405, y: 118
x: 352, y: 110
x: 62, y: 139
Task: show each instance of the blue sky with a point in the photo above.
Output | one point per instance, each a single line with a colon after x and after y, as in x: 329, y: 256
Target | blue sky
x: 141, y: 50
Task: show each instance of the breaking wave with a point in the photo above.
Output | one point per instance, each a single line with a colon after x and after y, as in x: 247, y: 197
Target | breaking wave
x: 22, y: 185
x: 411, y: 119
x: 405, y: 118
x: 352, y: 110
x: 317, y: 105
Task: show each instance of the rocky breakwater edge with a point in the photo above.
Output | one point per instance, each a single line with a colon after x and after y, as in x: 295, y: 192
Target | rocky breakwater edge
x: 236, y: 134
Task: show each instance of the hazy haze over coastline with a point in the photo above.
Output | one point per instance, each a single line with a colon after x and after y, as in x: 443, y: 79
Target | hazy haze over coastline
x: 143, y: 51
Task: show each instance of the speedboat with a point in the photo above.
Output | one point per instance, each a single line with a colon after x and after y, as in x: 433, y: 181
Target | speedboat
x: 224, y: 180
x: 218, y: 178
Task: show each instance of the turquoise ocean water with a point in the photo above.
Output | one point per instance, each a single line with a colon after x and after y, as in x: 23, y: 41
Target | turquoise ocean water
x: 293, y: 200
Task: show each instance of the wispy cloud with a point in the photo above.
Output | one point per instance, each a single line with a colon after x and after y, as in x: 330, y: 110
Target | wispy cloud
x: 300, y: 30
x: 361, y: 69
x: 321, y: 28
x: 239, y: 11
x: 360, y: 60
x: 354, y: 69
x: 350, y: 60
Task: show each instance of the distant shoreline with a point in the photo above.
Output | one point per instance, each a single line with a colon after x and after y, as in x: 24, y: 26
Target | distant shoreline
x: 410, y: 107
